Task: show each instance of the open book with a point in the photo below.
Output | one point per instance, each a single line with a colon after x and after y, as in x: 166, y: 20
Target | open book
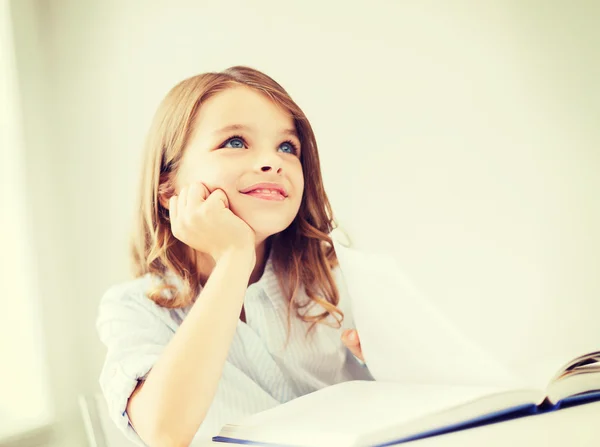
x: 430, y: 378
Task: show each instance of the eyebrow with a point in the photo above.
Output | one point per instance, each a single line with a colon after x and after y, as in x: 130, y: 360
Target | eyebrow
x: 238, y: 127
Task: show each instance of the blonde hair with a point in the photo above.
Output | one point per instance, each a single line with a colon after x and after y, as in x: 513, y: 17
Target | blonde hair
x: 302, y: 254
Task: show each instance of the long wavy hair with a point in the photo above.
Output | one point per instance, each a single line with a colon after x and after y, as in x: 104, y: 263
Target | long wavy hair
x: 302, y: 255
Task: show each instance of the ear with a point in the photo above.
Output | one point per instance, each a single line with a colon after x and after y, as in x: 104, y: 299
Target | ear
x: 164, y: 201
x: 165, y: 192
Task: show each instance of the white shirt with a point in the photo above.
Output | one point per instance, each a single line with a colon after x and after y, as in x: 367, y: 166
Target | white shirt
x: 258, y: 374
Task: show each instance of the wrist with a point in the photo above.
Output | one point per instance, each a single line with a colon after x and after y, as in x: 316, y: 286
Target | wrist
x: 242, y: 257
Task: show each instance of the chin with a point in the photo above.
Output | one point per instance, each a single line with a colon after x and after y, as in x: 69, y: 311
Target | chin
x: 266, y: 221
x: 266, y: 224
x: 263, y: 230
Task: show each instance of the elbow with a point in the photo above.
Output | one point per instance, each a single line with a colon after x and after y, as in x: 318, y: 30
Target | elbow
x: 167, y: 425
x: 167, y: 440
x: 159, y: 428
x: 169, y: 437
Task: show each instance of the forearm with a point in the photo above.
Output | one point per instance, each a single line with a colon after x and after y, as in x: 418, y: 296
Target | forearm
x: 173, y: 401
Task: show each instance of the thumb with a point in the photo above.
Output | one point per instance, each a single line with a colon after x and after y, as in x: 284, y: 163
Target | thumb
x: 352, y: 342
x: 217, y: 199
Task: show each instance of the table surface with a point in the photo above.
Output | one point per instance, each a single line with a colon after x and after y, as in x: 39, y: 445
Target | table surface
x: 576, y: 426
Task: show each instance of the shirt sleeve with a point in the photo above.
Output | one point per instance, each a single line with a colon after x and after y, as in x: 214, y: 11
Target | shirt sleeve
x: 135, y: 331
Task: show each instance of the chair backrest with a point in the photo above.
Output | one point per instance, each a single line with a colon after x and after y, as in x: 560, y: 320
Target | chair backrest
x: 101, y: 431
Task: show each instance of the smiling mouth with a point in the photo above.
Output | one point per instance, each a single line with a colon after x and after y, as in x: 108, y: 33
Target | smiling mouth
x: 266, y: 194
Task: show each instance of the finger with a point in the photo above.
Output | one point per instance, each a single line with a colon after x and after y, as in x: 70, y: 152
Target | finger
x: 352, y: 342
x: 217, y: 199
x: 182, y: 199
x: 196, y: 195
x: 205, y: 190
x: 351, y: 337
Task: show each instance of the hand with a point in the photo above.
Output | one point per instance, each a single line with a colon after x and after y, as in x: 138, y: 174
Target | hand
x: 352, y: 342
x: 203, y: 221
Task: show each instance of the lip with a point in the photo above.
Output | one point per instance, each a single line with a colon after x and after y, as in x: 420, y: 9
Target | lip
x: 266, y: 185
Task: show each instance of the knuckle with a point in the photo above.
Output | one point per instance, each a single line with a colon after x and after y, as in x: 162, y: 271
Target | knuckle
x: 203, y: 210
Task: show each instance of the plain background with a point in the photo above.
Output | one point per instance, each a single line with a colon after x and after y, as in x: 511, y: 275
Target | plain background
x: 460, y: 136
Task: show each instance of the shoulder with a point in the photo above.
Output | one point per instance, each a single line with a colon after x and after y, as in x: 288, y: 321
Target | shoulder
x: 129, y: 289
x: 130, y: 300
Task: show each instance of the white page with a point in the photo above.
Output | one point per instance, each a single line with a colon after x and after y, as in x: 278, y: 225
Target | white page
x: 337, y: 414
x: 403, y: 336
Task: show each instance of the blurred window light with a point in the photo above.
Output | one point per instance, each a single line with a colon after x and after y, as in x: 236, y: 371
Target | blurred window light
x: 24, y: 400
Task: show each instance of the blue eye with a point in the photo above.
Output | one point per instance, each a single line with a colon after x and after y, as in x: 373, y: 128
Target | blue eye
x: 289, y: 147
x: 236, y: 143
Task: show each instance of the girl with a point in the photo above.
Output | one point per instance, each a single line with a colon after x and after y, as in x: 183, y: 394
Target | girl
x: 235, y: 307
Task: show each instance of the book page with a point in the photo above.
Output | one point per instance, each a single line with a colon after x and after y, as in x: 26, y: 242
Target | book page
x: 403, y: 336
x: 583, y: 363
x: 542, y: 371
x: 336, y: 415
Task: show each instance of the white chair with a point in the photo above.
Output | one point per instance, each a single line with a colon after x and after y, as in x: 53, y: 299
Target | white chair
x: 100, y: 430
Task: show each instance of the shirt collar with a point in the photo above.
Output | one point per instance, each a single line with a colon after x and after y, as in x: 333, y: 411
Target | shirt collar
x: 269, y: 284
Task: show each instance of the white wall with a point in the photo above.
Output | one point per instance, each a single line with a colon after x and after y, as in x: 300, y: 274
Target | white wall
x: 467, y: 135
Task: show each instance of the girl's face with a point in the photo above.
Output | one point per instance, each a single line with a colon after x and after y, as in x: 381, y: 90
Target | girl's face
x: 242, y: 138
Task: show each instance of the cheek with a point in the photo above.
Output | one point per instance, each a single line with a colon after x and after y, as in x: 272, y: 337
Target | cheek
x: 213, y: 174
x: 224, y: 179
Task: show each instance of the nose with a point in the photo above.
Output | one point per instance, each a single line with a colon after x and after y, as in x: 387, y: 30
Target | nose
x: 270, y: 163
x: 268, y: 168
